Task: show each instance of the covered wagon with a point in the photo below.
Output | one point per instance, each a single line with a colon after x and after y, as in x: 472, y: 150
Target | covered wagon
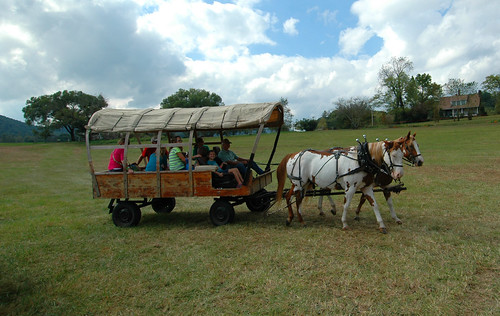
x: 128, y: 192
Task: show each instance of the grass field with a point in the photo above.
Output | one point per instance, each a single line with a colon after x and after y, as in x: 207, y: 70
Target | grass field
x: 61, y: 254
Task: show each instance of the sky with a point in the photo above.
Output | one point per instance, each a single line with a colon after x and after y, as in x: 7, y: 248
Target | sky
x: 311, y: 52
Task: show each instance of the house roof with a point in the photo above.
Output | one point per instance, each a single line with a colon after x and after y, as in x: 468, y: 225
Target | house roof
x: 238, y: 116
x: 472, y: 101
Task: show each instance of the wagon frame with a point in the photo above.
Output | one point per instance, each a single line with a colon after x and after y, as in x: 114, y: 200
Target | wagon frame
x: 129, y: 192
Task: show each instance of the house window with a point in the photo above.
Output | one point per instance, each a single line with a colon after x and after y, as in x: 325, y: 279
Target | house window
x: 459, y: 102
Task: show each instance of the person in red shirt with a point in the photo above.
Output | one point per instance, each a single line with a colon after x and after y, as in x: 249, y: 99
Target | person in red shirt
x: 117, y: 157
x: 147, y: 152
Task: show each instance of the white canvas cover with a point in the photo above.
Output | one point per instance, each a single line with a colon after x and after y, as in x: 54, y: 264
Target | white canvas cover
x: 238, y: 116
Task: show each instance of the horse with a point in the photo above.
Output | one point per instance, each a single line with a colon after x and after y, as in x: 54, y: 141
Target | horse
x: 340, y: 170
x: 412, y: 155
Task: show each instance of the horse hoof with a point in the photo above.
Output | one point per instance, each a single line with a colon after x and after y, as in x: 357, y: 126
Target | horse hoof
x: 356, y: 218
x: 288, y: 223
x: 321, y: 214
x: 333, y: 212
x: 399, y: 222
x: 345, y: 228
x: 383, y: 230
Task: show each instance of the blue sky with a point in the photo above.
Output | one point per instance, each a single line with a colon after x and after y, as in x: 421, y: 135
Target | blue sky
x: 137, y: 52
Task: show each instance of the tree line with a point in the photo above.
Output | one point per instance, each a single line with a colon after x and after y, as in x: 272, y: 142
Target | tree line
x: 400, y: 98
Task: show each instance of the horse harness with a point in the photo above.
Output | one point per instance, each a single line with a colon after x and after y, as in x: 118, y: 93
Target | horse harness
x: 364, y: 159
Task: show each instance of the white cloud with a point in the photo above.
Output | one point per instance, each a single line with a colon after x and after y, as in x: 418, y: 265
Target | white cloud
x: 138, y: 52
x: 216, y: 31
x: 289, y: 27
x: 352, y: 40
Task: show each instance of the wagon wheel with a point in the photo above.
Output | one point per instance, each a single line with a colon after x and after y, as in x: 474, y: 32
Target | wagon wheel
x: 259, y: 202
x: 221, y: 213
x: 163, y: 205
x: 126, y: 214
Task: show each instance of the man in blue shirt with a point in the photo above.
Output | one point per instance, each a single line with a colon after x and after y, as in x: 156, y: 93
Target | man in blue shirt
x: 230, y: 158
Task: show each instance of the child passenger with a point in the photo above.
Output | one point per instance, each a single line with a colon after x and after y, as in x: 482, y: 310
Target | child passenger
x: 220, y: 172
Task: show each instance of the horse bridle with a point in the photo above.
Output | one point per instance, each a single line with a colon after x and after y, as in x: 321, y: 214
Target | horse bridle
x: 410, y: 158
x: 391, y: 167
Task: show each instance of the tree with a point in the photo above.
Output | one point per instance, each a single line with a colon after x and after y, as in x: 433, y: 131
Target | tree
x: 394, y: 79
x: 192, y: 98
x: 423, y: 97
x: 354, y: 112
x: 459, y: 86
x: 70, y: 110
x: 492, y: 85
x: 307, y: 124
x: 287, y: 116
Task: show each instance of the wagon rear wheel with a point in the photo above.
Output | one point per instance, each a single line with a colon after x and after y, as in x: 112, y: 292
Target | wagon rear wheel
x: 259, y: 202
x: 221, y: 213
x: 163, y: 205
x: 126, y: 214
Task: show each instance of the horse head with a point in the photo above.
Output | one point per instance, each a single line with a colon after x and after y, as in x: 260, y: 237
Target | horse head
x: 393, y: 156
x: 412, y: 151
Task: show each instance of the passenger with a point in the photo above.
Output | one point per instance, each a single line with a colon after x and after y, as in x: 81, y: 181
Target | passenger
x: 200, y: 143
x: 147, y: 152
x: 151, y: 166
x: 220, y: 171
x: 117, y: 158
x: 202, y: 157
x: 177, y: 160
x: 232, y: 159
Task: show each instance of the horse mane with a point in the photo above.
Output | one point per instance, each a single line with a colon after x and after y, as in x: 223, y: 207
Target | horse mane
x: 377, y: 152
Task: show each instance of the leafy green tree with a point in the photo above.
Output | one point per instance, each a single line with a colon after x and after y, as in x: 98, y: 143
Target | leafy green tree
x: 288, y: 116
x: 70, y: 110
x: 192, y: 98
x: 423, y: 97
x: 307, y: 124
x: 492, y: 85
x: 393, y: 79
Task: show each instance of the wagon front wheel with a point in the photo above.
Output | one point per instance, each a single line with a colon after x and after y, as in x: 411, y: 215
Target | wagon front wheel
x: 163, y: 205
x: 259, y: 202
x: 126, y: 214
x: 221, y: 213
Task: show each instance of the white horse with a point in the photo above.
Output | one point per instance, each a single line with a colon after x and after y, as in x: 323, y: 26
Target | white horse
x: 411, y: 153
x: 339, y: 169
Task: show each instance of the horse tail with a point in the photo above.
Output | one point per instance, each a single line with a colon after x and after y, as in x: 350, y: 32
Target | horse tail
x: 281, y: 176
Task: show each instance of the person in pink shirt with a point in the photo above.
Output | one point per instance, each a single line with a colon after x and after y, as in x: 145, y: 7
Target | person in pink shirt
x: 117, y: 157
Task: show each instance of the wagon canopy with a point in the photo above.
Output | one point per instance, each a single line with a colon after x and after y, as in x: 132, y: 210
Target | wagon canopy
x: 238, y: 116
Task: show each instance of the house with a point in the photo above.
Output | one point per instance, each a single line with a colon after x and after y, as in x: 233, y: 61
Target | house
x: 460, y: 105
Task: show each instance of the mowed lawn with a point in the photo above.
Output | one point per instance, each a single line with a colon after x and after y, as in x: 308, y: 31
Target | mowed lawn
x: 61, y: 254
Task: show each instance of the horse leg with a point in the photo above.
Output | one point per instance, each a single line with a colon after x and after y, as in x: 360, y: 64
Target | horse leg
x: 332, y: 203
x: 362, y: 200
x: 320, y: 206
x: 288, y: 197
x: 349, y: 193
x: 368, y: 192
x: 388, y: 198
x: 298, y: 202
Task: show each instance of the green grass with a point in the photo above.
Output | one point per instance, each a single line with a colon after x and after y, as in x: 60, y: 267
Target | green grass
x: 61, y: 254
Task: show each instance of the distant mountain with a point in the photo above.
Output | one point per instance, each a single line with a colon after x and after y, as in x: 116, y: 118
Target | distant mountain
x: 13, y: 131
